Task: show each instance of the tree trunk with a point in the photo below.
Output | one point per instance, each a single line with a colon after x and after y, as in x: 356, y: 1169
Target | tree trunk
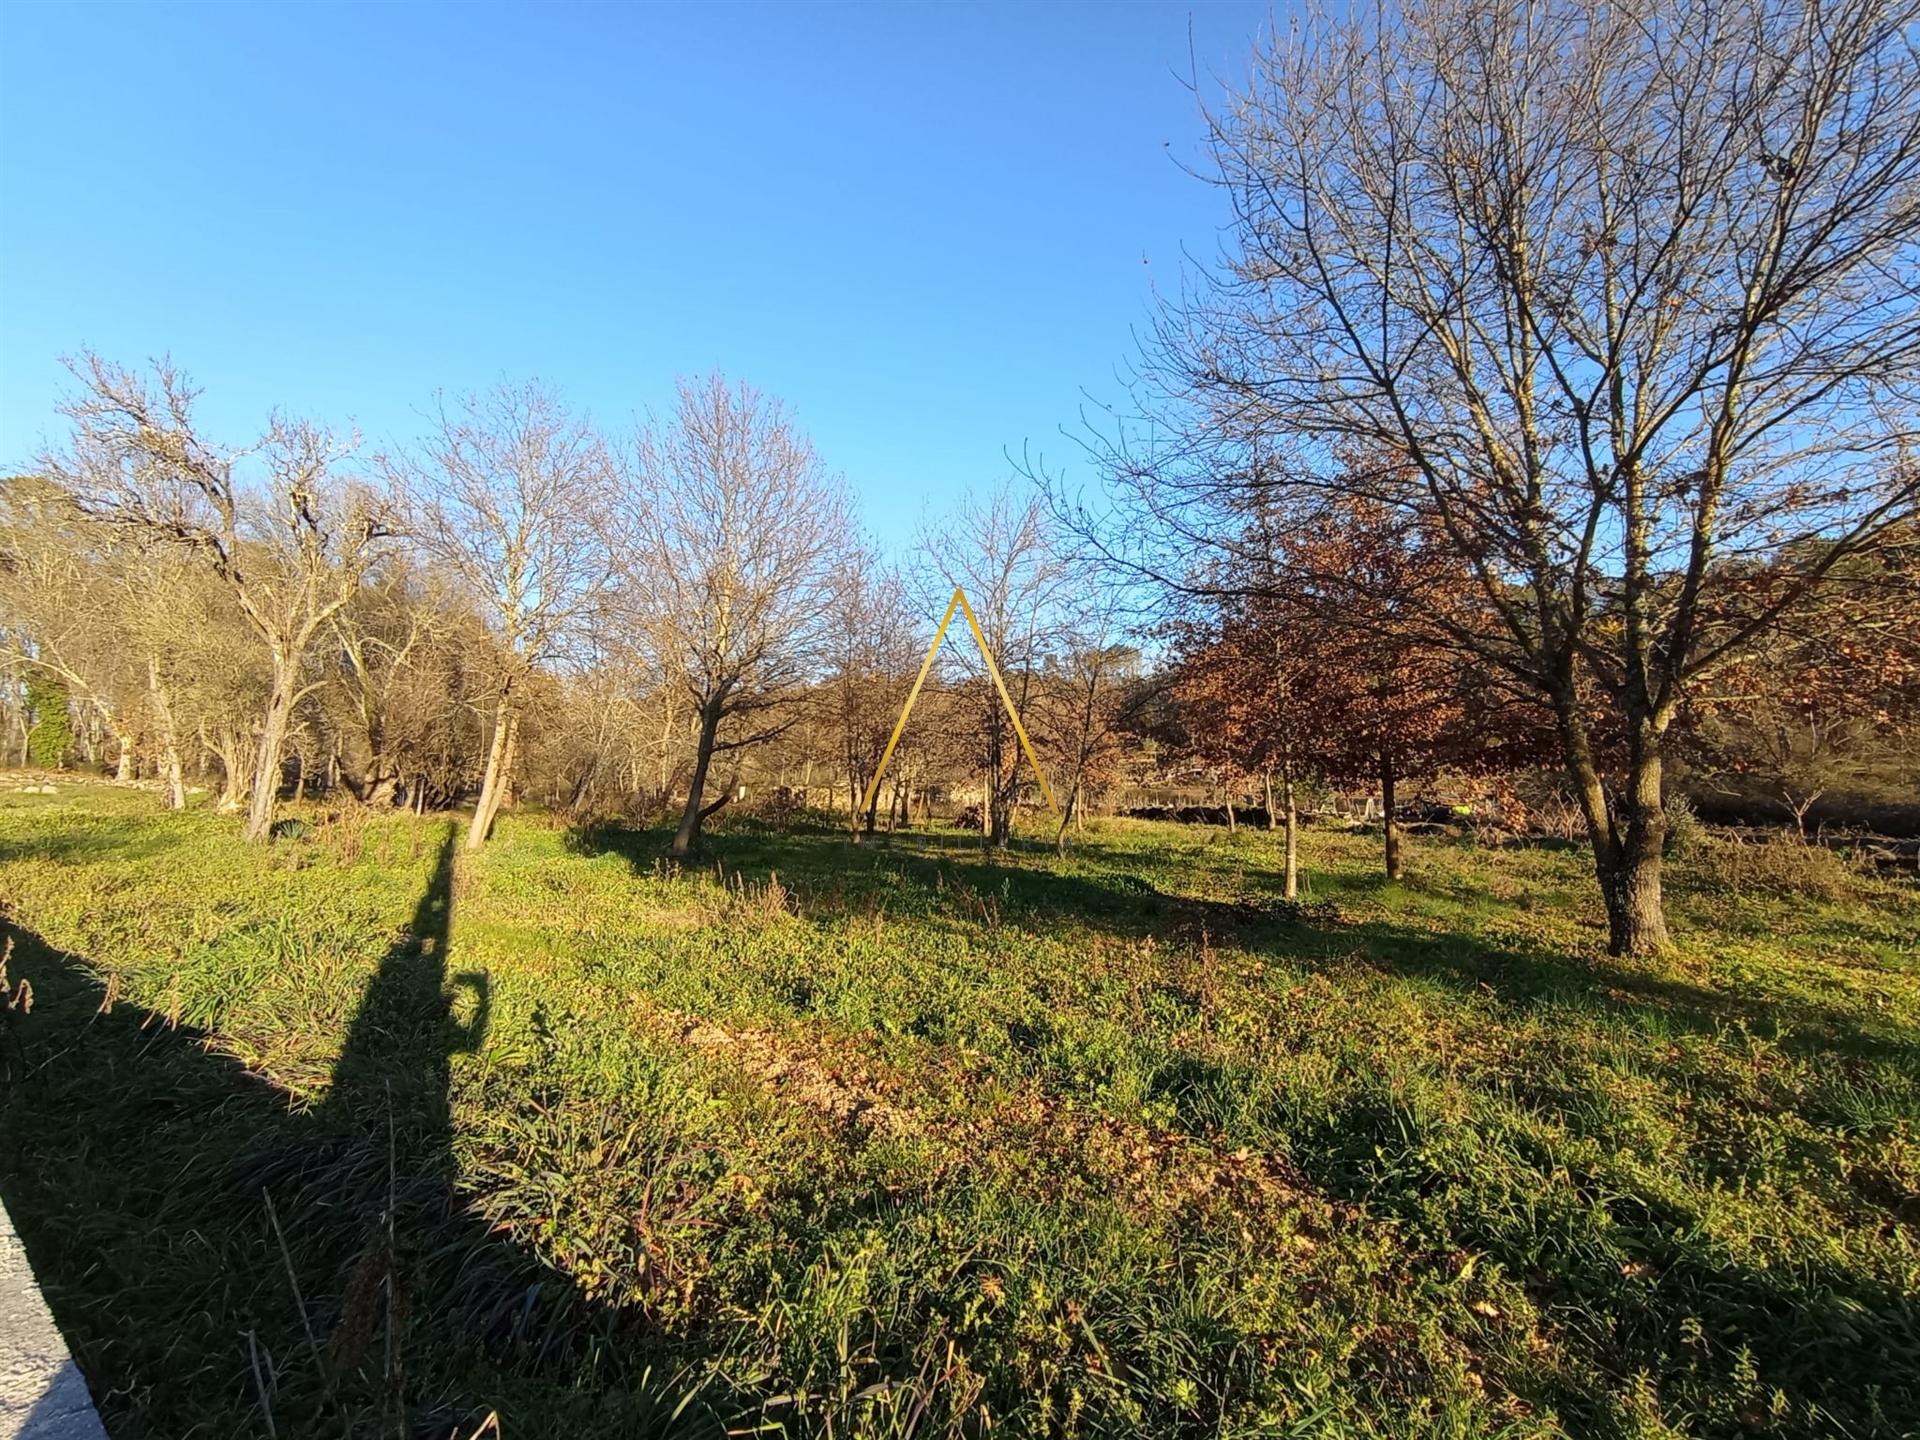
x: 230, y: 749
x: 1292, y: 815
x: 490, y: 782
x: 1266, y: 786
x: 871, y: 821
x: 1626, y: 857
x: 503, y: 785
x: 1226, y: 793
x: 172, y: 776
x: 1636, y: 910
x: 506, y: 794
x: 1002, y: 808
x: 266, y: 768
x: 688, y: 833
x: 123, y: 768
x: 1391, y: 815
x: 1066, y: 818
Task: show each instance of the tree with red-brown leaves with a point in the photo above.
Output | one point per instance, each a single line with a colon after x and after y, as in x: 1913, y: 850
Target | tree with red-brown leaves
x: 1337, y: 660
x: 1248, y: 694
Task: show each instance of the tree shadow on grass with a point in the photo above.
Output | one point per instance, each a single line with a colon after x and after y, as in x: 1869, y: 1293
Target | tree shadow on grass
x: 1634, y: 1286
x: 1526, y: 978
x: 835, y: 876
x: 88, y: 847
x: 217, y: 1255
x: 1631, y: 1278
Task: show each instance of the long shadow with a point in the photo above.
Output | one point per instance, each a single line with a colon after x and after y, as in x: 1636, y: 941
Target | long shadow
x: 1620, y: 1268
x: 88, y: 847
x: 227, y: 1263
x: 837, y: 877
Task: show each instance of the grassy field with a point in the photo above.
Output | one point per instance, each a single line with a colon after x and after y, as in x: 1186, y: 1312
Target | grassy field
x: 356, y: 1136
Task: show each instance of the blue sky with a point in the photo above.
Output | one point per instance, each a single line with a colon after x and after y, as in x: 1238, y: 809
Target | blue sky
x: 929, y: 229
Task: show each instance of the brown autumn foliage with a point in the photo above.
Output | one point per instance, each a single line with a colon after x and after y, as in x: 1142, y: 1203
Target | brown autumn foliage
x: 1337, y: 662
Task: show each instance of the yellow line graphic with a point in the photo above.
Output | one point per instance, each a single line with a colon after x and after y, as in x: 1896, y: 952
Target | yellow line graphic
x: 959, y: 601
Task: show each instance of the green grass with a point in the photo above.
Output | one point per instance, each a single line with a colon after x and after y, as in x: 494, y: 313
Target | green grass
x: 900, y: 1139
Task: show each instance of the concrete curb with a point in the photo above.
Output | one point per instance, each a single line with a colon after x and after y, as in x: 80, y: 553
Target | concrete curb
x: 42, y: 1394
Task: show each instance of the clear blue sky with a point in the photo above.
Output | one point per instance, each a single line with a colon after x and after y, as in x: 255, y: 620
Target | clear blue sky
x: 929, y: 229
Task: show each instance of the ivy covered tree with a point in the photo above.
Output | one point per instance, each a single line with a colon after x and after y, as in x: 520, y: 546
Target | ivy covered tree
x: 50, y: 732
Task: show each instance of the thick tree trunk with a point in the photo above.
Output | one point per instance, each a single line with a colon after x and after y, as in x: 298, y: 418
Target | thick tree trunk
x: 1636, y: 909
x: 1003, y: 816
x: 1391, y: 815
x: 688, y: 833
x: 266, y: 767
x: 1626, y: 847
x: 123, y: 768
x: 490, y: 781
x: 1292, y: 818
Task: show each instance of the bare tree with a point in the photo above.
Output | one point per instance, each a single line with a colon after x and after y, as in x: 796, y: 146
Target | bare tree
x: 732, y: 534
x: 873, y: 650
x: 1627, y: 295
x: 1004, y: 553
x: 1099, y: 690
x: 289, y: 550
x: 509, y: 491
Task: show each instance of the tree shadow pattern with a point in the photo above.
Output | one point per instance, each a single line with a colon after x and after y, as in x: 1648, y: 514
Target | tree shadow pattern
x: 1632, y: 1279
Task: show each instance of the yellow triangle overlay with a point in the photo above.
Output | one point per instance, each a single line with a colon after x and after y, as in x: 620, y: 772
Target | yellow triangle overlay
x: 960, y: 601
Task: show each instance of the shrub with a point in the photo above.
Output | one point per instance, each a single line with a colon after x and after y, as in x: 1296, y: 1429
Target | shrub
x: 1781, y: 865
x: 1685, y: 832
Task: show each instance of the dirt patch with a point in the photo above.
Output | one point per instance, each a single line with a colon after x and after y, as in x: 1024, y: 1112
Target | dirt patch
x: 830, y: 1087
x: 1155, y: 1172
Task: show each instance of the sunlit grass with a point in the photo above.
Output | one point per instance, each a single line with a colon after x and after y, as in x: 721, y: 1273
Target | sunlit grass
x: 903, y: 1138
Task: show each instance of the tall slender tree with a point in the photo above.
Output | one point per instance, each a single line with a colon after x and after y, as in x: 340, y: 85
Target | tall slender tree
x: 510, y: 492
x: 732, y: 533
